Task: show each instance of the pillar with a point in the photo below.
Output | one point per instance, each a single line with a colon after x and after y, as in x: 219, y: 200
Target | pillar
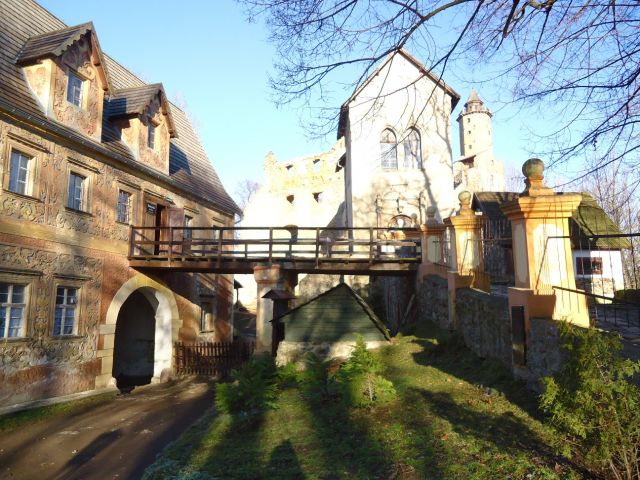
x: 542, y: 251
x: 432, y: 236
x: 269, y: 277
x: 467, y: 257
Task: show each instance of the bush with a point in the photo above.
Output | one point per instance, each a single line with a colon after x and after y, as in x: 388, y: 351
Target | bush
x: 253, y: 388
x: 315, y: 381
x: 593, y: 403
x: 288, y: 375
x: 359, y: 381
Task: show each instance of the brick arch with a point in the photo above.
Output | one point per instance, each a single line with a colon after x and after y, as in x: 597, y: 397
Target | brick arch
x: 167, y: 325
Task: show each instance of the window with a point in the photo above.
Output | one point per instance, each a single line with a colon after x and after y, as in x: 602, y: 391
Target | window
x: 588, y: 265
x: 66, y: 308
x: 151, y: 138
x: 187, y: 223
x: 206, y: 320
x: 74, y: 89
x: 77, y: 188
x: 12, y: 310
x: 388, y: 150
x: 316, y: 165
x: 19, y: 173
x: 318, y: 197
x: 124, y: 206
x: 290, y: 170
x: 291, y: 198
x: 412, y: 150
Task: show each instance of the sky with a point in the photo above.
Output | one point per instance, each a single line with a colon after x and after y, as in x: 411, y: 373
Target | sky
x: 215, y: 65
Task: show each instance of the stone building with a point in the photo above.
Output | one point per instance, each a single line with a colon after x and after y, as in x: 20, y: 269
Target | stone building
x: 88, y: 149
x: 396, y: 161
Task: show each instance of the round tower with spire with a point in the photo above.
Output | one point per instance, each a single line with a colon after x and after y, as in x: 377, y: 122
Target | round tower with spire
x: 475, y: 127
x: 477, y: 170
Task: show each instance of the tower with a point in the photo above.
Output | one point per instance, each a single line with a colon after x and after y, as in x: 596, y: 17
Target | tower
x: 477, y: 170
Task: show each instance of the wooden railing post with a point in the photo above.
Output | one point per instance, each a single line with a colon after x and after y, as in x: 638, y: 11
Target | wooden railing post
x: 170, y: 243
x: 220, y: 234
x: 317, y: 247
x: 370, y: 245
x: 132, y: 233
x: 270, y: 244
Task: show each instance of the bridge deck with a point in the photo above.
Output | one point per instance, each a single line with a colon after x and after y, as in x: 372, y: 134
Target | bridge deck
x: 363, y: 251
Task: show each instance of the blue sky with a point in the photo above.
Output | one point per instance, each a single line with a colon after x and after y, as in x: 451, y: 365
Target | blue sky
x: 216, y: 65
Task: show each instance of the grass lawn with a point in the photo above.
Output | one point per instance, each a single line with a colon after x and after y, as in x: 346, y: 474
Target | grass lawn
x: 456, y: 417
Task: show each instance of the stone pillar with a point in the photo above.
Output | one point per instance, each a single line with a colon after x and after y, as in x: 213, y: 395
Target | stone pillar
x: 542, y: 251
x: 432, y: 236
x: 269, y: 277
x: 467, y: 257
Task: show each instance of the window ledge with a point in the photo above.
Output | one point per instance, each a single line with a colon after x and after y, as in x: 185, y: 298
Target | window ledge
x: 79, y: 212
x: 68, y: 337
x: 15, y: 339
x: 124, y: 224
x: 23, y: 195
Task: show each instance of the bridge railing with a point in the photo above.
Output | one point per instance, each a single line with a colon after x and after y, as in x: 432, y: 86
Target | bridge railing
x: 269, y: 244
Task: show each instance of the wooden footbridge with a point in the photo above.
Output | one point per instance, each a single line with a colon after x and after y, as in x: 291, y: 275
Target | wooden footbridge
x: 362, y: 251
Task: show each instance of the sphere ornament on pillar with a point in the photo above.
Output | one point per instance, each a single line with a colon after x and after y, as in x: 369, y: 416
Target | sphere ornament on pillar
x: 533, y: 170
x: 465, y: 203
x: 431, y: 215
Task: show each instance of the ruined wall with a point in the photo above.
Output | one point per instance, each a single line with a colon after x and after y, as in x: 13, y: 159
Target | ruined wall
x: 484, y: 322
x: 44, y: 244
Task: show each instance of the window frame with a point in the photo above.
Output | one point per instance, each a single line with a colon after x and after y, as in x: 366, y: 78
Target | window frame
x: 151, y: 135
x: 71, y: 73
x: 9, y: 305
x: 188, y: 223
x: 582, y: 261
x: 208, y: 325
x: 75, y: 167
x: 386, y: 147
x: 35, y: 155
x: 67, y: 284
x: 411, y: 161
x: 129, y: 208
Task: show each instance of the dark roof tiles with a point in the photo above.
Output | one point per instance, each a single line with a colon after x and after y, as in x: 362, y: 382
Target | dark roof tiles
x: 28, y: 28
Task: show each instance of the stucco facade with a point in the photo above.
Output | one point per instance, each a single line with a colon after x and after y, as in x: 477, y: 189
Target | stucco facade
x: 77, y: 172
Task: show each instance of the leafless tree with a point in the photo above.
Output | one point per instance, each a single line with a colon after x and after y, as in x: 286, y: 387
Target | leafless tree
x: 579, y: 58
x: 245, y: 189
x: 616, y: 191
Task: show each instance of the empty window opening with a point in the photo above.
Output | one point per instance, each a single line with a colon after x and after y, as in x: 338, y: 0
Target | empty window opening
x: 589, y: 265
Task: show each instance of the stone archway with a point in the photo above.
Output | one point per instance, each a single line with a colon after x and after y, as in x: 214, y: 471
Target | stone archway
x: 167, y: 323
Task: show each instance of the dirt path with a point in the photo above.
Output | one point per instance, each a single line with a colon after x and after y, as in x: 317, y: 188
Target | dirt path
x: 118, y: 439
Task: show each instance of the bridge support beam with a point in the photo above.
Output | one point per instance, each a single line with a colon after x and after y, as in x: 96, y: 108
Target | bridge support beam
x: 269, y: 277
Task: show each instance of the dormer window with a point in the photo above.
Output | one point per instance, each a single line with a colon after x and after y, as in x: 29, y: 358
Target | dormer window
x: 151, y: 137
x: 74, y: 89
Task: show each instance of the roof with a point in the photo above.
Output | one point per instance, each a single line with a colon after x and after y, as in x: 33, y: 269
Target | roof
x: 134, y: 100
x: 278, y: 295
x: 589, y: 220
x: 455, y: 96
x: 27, y: 29
x: 337, y: 314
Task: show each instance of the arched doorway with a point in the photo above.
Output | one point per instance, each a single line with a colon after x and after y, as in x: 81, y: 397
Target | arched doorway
x: 134, y: 344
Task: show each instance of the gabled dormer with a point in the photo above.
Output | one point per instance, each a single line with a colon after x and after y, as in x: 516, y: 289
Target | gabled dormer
x: 143, y: 117
x: 65, y: 71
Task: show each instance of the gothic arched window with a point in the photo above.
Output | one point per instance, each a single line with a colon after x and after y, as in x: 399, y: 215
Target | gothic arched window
x: 388, y: 150
x: 412, y: 149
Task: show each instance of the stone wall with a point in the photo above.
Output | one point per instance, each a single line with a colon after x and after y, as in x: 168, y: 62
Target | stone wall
x: 543, y: 354
x: 484, y: 322
x: 432, y: 298
x: 296, y: 351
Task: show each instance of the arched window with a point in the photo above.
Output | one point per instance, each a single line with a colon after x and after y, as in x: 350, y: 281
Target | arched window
x: 388, y: 150
x: 412, y: 149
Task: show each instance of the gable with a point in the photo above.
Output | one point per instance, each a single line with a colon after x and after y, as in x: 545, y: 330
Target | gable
x: 338, y: 314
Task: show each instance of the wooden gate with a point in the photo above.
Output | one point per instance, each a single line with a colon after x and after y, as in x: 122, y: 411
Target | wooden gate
x: 211, y: 358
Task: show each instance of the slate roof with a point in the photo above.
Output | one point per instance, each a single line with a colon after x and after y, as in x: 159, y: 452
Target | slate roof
x: 587, y: 223
x: 338, y: 314
x: 27, y: 29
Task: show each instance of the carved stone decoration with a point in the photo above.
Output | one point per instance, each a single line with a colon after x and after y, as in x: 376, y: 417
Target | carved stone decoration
x: 22, y: 208
x: 39, y: 347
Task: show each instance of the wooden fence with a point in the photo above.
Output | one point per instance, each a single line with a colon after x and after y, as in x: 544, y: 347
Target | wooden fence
x: 211, y: 358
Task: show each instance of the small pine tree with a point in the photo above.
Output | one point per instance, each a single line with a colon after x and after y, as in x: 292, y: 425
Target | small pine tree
x: 592, y: 401
x: 359, y: 379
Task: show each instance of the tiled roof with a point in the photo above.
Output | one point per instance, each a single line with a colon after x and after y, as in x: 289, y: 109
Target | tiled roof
x: 52, y: 44
x: 133, y: 101
x: 190, y: 170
